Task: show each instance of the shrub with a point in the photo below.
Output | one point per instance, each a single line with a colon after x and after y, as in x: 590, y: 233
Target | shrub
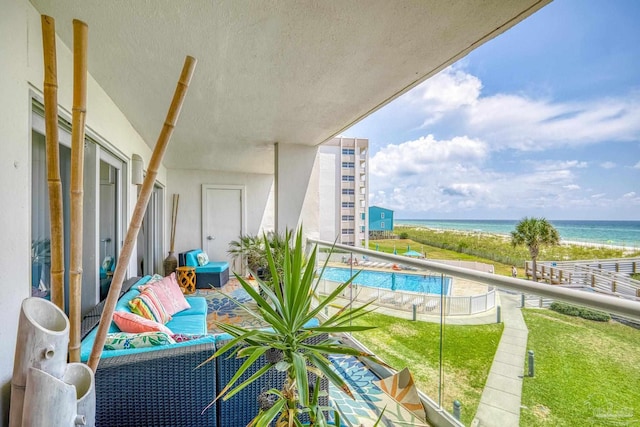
x: 404, y: 235
x: 568, y: 309
x: 598, y: 316
x: 585, y: 313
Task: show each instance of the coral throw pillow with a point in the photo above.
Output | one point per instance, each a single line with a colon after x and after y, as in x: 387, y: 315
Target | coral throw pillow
x: 132, y: 323
x: 203, y: 258
x: 149, y: 305
x: 123, y: 340
x: 169, y: 293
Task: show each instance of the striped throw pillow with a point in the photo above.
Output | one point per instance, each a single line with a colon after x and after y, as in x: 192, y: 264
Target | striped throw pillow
x: 149, y: 305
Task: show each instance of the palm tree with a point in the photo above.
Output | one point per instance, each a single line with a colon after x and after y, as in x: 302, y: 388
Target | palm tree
x: 535, y: 233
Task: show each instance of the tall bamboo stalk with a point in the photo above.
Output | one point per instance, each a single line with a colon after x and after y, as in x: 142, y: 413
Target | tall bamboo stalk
x: 80, y: 33
x: 141, y: 206
x: 53, y: 159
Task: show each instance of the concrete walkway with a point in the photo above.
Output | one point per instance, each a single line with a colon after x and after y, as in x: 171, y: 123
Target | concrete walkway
x: 500, y: 402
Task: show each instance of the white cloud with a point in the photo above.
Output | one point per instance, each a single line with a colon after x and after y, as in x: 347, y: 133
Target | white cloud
x: 514, y: 121
x: 636, y: 166
x: 629, y: 195
x: 452, y: 177
x: 607, y: 165
x: 426, y: 155
x: 550, y: 165
x: 447, y: 91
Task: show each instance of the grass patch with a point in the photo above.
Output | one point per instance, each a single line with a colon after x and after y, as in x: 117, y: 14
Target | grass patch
x: 586, y: 373
x: 387, y: 245
x: 467, y: 353
x: 499, y: 248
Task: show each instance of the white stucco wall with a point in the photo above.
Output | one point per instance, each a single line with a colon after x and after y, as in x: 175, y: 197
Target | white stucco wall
x: 329, y: 186
x: 297, y: 188
x: 21, y: 68
x: 188, y: 184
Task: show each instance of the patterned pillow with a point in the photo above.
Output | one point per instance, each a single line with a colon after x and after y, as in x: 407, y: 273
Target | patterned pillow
x: 402, y: 389
x: 169, y: 293
x: 185, y: 337
x: 132, y: 323
x: 124, y: 340
x: 148, y: 305
x: 155, y: 278
x: 203, y: 258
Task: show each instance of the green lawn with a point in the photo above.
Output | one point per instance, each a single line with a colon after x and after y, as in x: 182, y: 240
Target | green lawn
x: 467, y: 353
x: 587, y: 373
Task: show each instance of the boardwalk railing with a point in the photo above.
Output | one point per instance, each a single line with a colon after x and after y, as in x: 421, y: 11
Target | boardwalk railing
x: 611, y: 276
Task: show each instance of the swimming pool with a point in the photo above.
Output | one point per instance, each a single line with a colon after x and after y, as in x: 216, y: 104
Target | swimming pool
x: 393, y: 281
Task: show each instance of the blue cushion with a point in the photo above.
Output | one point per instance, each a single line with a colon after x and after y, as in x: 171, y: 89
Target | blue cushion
x: 213, y: 267
x: 123, y: 302
x: 191, y: 258
x: 198, y: 306
x: 195, y: 324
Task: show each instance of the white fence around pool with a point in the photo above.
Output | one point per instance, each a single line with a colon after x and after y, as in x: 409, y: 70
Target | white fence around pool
x: 406, y: 301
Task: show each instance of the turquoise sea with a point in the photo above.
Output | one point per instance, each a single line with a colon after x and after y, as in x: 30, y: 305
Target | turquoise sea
x: 617, y: 233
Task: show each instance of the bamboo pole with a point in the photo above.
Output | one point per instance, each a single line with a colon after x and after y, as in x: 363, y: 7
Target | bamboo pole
x: 53, y: 159
x: 80, y: 33
x: 141, y: 206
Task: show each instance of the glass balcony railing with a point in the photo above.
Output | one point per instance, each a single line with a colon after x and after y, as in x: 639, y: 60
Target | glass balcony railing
x: 484, y: 347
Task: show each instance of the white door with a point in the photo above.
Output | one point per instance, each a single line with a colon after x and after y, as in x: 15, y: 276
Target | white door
x: 222, y: 219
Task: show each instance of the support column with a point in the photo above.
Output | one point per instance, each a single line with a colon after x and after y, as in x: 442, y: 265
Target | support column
x: 296, y: 188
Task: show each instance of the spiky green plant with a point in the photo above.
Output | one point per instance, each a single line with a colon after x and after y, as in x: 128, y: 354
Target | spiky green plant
x: 288, y: 307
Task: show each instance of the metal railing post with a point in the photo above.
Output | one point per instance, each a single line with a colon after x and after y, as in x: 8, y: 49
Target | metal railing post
x: 457, y: 409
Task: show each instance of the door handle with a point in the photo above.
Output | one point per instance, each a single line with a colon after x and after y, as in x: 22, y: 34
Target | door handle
x: 210, y: 238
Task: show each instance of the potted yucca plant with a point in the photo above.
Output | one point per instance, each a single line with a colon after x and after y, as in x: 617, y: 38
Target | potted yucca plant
x: 288, y: 307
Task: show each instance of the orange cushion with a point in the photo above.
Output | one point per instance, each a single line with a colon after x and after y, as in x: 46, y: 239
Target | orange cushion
x: 129, y: 322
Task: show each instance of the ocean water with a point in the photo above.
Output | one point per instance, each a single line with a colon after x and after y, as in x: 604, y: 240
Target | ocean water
x: 616, y: 233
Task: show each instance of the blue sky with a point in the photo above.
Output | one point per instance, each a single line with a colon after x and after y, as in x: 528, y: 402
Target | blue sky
x: 543, y: 120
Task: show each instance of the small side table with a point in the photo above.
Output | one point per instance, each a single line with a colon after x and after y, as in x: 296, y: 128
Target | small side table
x: 187, y: 279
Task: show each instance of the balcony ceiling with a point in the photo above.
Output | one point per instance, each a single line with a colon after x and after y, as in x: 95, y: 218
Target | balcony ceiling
x: 294, y: 72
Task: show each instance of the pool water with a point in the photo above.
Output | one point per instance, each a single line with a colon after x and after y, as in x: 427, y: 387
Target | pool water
x: 394, y: 281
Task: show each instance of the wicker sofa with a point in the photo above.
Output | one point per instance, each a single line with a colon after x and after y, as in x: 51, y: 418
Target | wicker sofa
x: 163, y: 387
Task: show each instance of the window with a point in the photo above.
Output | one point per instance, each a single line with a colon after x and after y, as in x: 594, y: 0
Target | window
x: 381, y: 215
x: 348, y: 217
x: 381, y: 224
x: 348, y: 231
x: 348, y: 165
x: 105, y: 185
x: 348, y: 151
x: 348, y: 204
x: 348, y: 191
x: 348, y: 178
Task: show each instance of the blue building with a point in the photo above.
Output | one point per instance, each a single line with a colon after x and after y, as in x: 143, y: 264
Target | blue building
x: 380, y: 221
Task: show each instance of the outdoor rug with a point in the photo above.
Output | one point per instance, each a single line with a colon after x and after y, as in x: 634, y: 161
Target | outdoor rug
x: 220, y: 308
